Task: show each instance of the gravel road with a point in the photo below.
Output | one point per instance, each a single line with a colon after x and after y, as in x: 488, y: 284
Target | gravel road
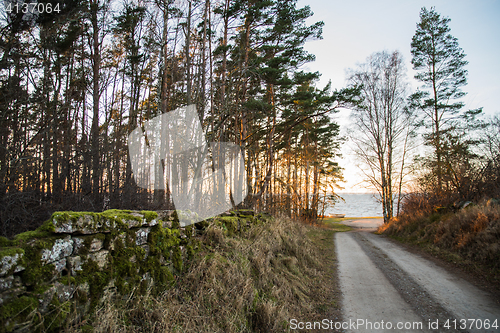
x: 388, y: 289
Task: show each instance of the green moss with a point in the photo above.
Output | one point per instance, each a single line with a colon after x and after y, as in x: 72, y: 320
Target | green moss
x: 4, y: 242
x: 175, y: 220
x: 109, y: 220
x: 246, y: 212
x: 68, y: 280
x: 177, y: 258
x: 35, y: 272
x: 162, y: 275
x: 161, y: 239
x: 57, y: 314
x: 40, y: 289
x: 202, y: 224
x: 149, y: 215
x: 100, y: 236
x: 62, y: 217
x: 230, y: 224
x: 10, y: 251
x: 47, y: 226
x: 119, y: 215
x: 117, y: 211
x: 125, y: 271
x: 24, y: 237
x: 16, y: 311
x: 81, y: 295
x: 97, y: 279
x: 143, y: 287
x: 190, y: 251
x: 122, y: 286
x: 189, y: 231
x: 163, y: 278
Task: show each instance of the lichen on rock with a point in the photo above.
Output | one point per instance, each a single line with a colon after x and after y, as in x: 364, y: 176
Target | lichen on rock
x: 11, y: 261
x: 61, y: 249
x: 141, y: 236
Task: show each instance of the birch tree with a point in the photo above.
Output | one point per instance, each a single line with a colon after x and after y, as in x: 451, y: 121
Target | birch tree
x: 383, y: 123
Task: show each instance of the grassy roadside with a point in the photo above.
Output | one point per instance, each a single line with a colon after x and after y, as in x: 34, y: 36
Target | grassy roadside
x: 252, y: 281
x: 468, y: 239
x: 334, y: 224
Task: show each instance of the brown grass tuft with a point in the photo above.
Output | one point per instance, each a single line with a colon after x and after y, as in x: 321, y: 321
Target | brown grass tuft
x: 470, y: 236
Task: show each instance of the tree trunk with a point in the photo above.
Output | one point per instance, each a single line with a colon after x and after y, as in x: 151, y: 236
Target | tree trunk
x: 96, y: 66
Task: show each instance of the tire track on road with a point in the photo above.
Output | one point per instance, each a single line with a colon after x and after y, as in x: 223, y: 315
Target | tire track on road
x: 421, y: 302
x: 367, y: 294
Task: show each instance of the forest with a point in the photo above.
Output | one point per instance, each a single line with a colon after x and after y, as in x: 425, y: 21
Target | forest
x: 76, y: 82
x: 80, y: 78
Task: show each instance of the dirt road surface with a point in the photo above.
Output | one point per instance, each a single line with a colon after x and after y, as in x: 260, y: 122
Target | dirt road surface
x: 388, y: 289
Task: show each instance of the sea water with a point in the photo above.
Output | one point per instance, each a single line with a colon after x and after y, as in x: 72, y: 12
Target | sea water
x: 357, y: 205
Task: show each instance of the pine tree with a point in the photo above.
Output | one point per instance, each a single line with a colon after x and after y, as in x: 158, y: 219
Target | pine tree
x: 440, y: 65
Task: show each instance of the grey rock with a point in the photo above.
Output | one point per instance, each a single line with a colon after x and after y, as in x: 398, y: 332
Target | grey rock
x: 167, y: 224
x: 45, y: 300
x: 96, y: 245
x: 10, y: 282
x: 62, y: 248
x: 60, y: 265
x: 79, y: 242
x: 84, y: 287
x: 100, y: 257
x: 129, y: 222
x: 120, y: 237
x: 151, y: 223
x: 11, y: 293
x: 11, y: 263
x: 141, y: 236
x: 64, y: 292
x: 75, y: 265
x: 165, y: 215
x: 467, y: 204
x: 85, y: 224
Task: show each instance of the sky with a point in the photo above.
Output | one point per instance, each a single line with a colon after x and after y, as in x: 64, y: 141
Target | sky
x: 355, y: 29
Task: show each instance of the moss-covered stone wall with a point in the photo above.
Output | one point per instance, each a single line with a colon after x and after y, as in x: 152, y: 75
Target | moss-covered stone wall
x: 68, y: 264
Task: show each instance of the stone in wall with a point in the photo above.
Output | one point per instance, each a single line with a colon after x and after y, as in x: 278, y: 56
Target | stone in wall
x: 61, y: 249
x: 86, y: 244
x: 100, y: 257
x: 141, y: 236
x: 11, y: 261
x: 75, y: 265
x: 105, y: 222
x: 9, y: 282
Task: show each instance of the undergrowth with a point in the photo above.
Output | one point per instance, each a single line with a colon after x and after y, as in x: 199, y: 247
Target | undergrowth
x: 468, y: 237
x: 254, y: 281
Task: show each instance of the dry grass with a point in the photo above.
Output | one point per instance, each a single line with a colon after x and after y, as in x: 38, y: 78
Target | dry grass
x: 469, y: 237
x: 253, y: 282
